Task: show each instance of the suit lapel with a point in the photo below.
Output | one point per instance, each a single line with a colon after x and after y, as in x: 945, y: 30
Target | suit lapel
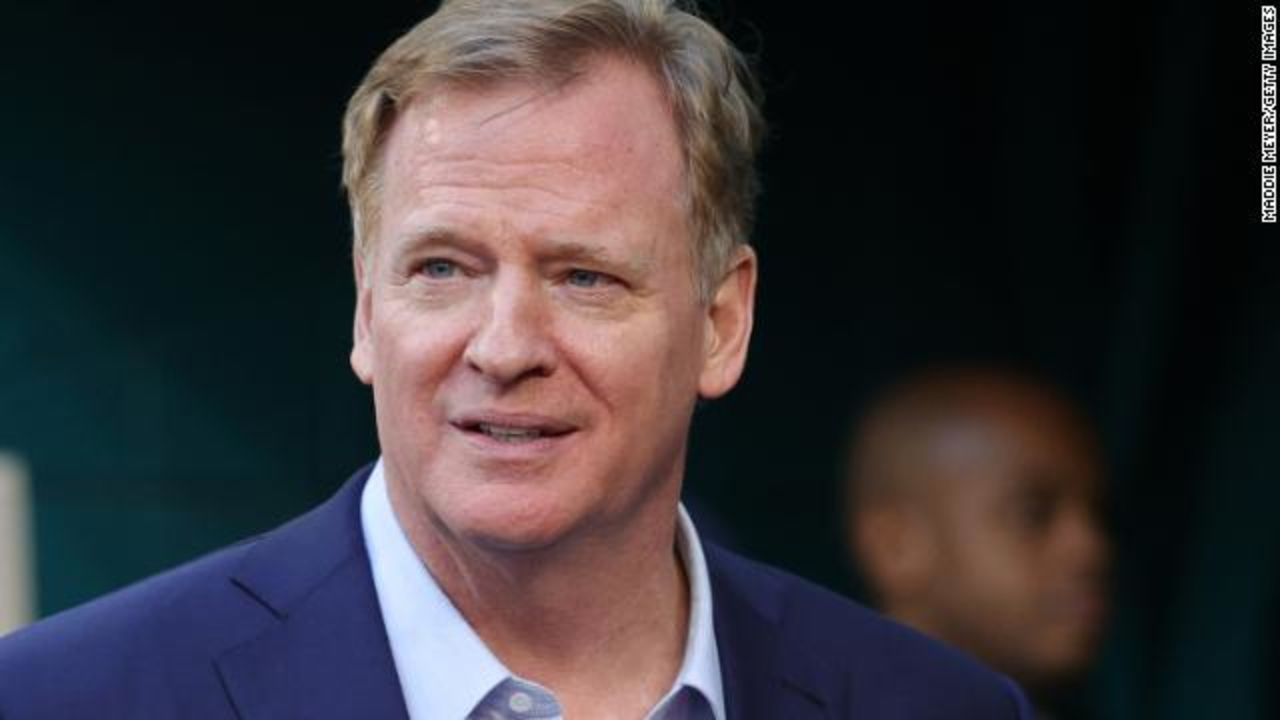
x: 324, y: 653
x: 762, y: 677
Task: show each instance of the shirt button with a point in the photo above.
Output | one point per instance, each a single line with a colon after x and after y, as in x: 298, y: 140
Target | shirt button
x: 520, y: 702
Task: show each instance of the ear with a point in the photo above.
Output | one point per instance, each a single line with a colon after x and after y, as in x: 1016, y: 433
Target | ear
x: 361, y: 347
x: 895, y: 551
x: 729, y: 318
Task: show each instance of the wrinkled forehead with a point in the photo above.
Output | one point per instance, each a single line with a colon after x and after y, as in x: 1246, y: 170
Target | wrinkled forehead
x: 608, y: 116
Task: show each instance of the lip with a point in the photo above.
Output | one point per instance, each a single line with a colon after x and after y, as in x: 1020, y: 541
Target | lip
x: 547, y: 425
x: 553, y: 433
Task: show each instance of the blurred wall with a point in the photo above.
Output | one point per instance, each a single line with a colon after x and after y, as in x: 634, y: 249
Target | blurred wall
x: 17, y: 576
x: 1040, y: 184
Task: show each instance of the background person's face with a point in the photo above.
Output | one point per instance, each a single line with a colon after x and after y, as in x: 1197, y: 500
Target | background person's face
x: 1021, y: 569
x: 528, y: 318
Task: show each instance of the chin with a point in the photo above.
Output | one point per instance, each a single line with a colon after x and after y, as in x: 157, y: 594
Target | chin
x: 513, y: 524
x: 1064, y: 665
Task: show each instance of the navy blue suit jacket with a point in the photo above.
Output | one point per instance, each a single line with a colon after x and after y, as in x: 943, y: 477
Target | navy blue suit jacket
x: 287, y: 625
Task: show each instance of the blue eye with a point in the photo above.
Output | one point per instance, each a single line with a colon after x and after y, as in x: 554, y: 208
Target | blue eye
x: 439, y: 269
x: 584, y: 278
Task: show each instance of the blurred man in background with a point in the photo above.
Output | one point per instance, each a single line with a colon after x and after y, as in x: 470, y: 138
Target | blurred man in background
x: 973, y: 507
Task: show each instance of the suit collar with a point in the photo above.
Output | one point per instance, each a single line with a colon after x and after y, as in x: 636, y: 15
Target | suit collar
x: 283, y: 566
x: 764, y: 675
x: 322, y: 651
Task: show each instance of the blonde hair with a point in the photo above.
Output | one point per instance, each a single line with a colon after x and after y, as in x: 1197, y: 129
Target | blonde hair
x: 470, y: 43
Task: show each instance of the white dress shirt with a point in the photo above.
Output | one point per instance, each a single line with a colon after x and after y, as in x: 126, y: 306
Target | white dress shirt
x: 447, y: 673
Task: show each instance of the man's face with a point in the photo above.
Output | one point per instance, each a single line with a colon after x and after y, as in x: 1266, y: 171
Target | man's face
x: 1020, y: 575
x: 528, y: 317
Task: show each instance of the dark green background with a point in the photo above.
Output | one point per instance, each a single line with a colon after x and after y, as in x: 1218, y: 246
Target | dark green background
x: 1068, y: 187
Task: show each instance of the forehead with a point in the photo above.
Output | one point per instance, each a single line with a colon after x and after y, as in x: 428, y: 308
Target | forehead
x: 609, y: 122
x: 1021, y: 443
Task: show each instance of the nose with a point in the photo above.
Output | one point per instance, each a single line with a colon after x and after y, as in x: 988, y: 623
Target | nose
x: 512, y: 340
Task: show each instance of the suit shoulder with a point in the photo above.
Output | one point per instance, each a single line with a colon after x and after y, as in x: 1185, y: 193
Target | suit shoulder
x: 886, y: 668
x: 151, y: 649
x: 143, y: 602
x: 158, y: 630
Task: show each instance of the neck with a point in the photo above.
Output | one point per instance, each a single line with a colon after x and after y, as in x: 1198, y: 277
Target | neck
x: 593, y: 618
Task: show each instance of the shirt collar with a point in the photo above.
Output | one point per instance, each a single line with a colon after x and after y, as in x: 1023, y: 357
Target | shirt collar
x: 700, y: 668
x: 445, y: 669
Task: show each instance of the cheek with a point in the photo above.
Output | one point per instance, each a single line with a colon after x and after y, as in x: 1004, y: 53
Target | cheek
x: 637, y: 362
x: 994, y: 566
x: 413, y: 353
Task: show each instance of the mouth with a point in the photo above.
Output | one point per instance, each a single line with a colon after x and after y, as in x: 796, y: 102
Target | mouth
x: 512, y: 429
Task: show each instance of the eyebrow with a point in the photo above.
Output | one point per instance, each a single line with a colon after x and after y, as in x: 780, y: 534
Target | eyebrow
x: 572, y: 251
x: 418, y: 236
x: 548, y: 250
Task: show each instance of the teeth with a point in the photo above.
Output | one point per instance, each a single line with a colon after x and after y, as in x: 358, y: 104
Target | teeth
x: 510, y: 434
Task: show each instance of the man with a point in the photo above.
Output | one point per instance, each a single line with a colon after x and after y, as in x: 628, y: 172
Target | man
x: 975, y: 518
x: 551, y: 200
